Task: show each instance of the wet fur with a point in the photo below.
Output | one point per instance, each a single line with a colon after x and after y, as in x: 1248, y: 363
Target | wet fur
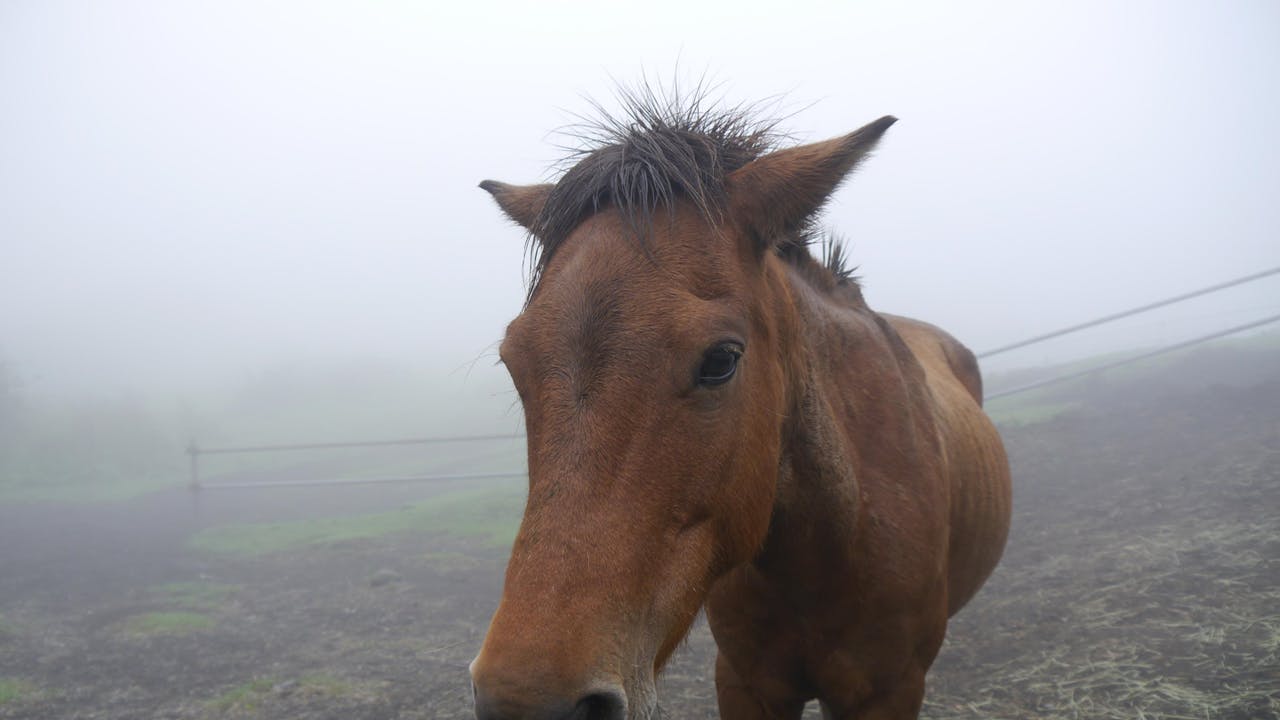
x: 830, y: 508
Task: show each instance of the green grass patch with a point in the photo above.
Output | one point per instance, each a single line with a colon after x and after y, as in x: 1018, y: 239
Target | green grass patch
x: 321, y: 684
x: 195, y: 595
x: 14, y: 690
x: 166, y: 623
x: 244, y: 696
x: 490, y: 515
x: 250, y: 696
x: 1027, y: 410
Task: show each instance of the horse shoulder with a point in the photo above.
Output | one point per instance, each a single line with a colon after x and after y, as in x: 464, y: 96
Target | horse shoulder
x: 940, y: 353
x: 977, y: 467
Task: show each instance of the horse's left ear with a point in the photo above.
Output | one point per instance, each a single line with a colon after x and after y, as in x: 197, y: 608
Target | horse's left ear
x: 776, y: 194
x: 521, y: 203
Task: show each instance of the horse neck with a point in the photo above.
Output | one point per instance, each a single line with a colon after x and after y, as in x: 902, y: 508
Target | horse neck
x: 836, y: 338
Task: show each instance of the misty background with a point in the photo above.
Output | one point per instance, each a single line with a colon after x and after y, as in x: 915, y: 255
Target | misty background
x: 259, y: 221
x: 241, y: 223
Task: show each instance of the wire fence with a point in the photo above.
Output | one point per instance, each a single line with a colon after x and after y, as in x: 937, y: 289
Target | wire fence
x: 244, y: 485
x: 194, y: 451
x: 1136, y: 358
x: 1129, y: 313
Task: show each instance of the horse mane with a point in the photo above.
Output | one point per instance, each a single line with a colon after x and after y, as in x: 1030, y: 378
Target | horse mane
x: 662, y: 147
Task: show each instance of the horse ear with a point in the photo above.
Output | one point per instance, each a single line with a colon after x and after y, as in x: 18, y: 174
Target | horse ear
x: 776, y: 194
x: 521, y: 203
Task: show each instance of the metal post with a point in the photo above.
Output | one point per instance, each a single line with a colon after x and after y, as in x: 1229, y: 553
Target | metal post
x: 193, y: 452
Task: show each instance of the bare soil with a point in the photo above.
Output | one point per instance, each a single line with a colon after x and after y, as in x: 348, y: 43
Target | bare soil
x: 1142, y: 579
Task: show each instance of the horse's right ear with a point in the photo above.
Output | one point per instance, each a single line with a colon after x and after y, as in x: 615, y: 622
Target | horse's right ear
x: 522, y: 203
x: 778, y: 193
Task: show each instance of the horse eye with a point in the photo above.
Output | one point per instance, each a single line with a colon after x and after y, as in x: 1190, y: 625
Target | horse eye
x: 719, y: 365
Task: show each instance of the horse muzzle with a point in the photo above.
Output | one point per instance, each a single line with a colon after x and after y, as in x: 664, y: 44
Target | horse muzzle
x: 597, y: 704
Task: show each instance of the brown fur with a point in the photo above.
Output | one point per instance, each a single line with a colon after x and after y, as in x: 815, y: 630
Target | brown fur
x: 831, y: 505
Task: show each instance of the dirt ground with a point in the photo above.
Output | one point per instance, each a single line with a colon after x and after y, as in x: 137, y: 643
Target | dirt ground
x: 1142, y: 579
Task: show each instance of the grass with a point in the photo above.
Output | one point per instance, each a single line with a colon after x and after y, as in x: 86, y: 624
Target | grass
x: 14, y: 690
x: 324, y: 684
x: 488, y: 515
x: 1027, y: 409
x: 1131, y: 666
x: 203, y: 596
x: 244, y: 696
x: 250, y: 696
x: 175, y: 623
x: 1135, y: 585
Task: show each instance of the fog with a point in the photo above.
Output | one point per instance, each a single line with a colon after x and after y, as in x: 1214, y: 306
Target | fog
x: 236, y: 223
x: 192, y: 192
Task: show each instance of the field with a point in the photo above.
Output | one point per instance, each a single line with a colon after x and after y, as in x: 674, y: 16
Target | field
x: 1141, y: 580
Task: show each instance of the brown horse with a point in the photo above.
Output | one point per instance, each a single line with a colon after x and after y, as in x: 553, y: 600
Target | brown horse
x: 715, y: 418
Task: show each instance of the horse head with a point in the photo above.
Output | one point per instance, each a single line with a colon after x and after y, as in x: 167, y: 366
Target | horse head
x: 655, y: 363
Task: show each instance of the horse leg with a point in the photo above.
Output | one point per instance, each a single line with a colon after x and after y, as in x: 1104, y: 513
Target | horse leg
x: 901, y: 702
x: 740, y: 700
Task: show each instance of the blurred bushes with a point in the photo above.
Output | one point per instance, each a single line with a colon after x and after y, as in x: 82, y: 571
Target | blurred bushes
x: 90, y: 444
x: 107, y: 446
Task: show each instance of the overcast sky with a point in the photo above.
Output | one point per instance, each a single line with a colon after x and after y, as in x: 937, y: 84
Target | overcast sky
x: 190, y: 190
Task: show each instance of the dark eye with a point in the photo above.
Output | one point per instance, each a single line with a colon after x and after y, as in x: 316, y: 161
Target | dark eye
x: 719, y: 364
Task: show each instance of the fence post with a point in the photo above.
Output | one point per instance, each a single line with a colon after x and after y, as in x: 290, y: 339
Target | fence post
x: 193, y: 453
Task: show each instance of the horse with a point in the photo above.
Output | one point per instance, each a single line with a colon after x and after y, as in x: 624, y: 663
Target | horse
x: 717, y: 420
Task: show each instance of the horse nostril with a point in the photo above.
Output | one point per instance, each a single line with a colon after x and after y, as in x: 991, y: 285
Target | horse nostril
x: 607, y: 705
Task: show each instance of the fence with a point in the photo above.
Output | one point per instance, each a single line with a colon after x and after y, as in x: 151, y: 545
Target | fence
x: 1130, y: 360
x: 1129, y: 313
x: 195, y: 452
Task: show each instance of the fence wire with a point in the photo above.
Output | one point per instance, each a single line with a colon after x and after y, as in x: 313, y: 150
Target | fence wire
x: 1129, y: 313
x: 1134, y: 359
x: 194, y: 451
